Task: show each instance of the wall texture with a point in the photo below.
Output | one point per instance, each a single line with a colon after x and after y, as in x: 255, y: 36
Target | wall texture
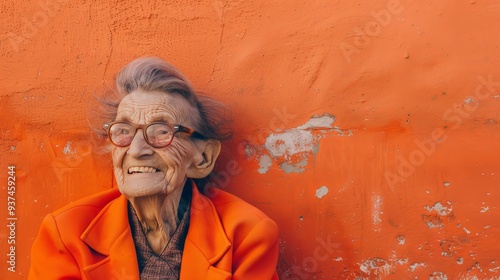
x: 368, y: 130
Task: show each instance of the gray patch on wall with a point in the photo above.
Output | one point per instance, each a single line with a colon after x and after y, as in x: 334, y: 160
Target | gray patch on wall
x: 291, y: 148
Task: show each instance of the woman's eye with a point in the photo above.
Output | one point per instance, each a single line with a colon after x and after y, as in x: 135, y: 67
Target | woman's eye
x: 159, y: 130
x: 162, y: 132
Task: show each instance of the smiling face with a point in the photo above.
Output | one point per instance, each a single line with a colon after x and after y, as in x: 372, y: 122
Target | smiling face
x: 142, y: 170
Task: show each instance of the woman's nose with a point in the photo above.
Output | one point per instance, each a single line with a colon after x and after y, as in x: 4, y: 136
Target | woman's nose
x: 139, y: 147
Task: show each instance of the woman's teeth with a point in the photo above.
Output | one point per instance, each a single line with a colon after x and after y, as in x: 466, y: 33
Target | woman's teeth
x: 141, y: 169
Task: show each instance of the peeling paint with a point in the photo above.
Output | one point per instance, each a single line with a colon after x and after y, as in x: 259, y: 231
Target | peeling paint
x: 401, y: 261
x: 315, y: 150
x: 460, y: 260
x: 439, y: 208
x: 324, y: 121
x: 469, y: 100
x: 291, y: 148
x: 249, y: 151
x: 449, y: 248
x: 439, y: 215
x: 446, y: 184
x: 67, y: 148
x: 321, y: 192
x: 299, y: 167
x: 466, y: 230
x: 376, y: 212
x: 289, y: 143
x: 401, y: 239
x: 265, y: 162
x: 377, y: 266
x: 416, y: 265
x: 475, y: 266
x: 438, y: 275
x: 342, y: 132
x: 484, y: 209
x: 495, y: 269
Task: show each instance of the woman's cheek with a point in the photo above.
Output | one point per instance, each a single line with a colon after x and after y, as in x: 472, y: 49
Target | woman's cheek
x: 117, y: 155
x: 177, y: 160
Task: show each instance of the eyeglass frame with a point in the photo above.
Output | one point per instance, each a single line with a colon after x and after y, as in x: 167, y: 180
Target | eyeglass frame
x: 175, y: 128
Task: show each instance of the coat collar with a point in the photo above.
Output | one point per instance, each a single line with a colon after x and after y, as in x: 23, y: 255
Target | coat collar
x: 109, y: 234
x: 107, y: 227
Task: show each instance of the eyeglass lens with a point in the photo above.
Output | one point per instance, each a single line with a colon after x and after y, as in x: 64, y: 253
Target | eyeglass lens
x: 157, y: 135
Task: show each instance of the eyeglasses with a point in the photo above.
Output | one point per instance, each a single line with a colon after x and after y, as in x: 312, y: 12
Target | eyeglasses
x: 157, y: 134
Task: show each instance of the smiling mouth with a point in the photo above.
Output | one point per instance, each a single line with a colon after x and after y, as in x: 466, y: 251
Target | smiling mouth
x: 141, y: 169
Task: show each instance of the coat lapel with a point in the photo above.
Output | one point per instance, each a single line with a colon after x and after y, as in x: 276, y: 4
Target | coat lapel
x: 109, y: 235
x: 206, y: 242
x: 205, y: 248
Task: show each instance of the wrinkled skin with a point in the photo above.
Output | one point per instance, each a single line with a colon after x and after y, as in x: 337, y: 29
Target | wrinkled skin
x: 153, y: 178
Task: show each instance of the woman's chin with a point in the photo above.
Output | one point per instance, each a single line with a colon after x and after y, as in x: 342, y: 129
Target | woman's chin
x: 138, y: 190
x: 138, y: 185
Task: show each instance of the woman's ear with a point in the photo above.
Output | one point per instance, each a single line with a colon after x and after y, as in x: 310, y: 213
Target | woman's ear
x: 204, y: 160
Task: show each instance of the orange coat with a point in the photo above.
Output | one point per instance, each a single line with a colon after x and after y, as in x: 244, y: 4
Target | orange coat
x: 91, y: 239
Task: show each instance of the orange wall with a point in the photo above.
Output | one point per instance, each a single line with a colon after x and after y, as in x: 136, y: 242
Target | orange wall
x: 368, y: 130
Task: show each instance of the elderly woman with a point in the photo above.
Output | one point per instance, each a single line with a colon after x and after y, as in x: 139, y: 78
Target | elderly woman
x: 158, y: 224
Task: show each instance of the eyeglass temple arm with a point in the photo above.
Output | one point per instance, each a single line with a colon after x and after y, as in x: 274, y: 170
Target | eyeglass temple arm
x: 189, y: 131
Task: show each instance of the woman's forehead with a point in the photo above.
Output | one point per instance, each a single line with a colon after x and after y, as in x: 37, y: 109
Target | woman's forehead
x: 140, y: 106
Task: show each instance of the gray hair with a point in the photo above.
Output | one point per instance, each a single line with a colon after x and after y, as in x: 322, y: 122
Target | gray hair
x: 154, y: 74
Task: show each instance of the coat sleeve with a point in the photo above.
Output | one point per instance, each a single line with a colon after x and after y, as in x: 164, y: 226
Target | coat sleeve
x: 50, y: 258
x: 256, y: 256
